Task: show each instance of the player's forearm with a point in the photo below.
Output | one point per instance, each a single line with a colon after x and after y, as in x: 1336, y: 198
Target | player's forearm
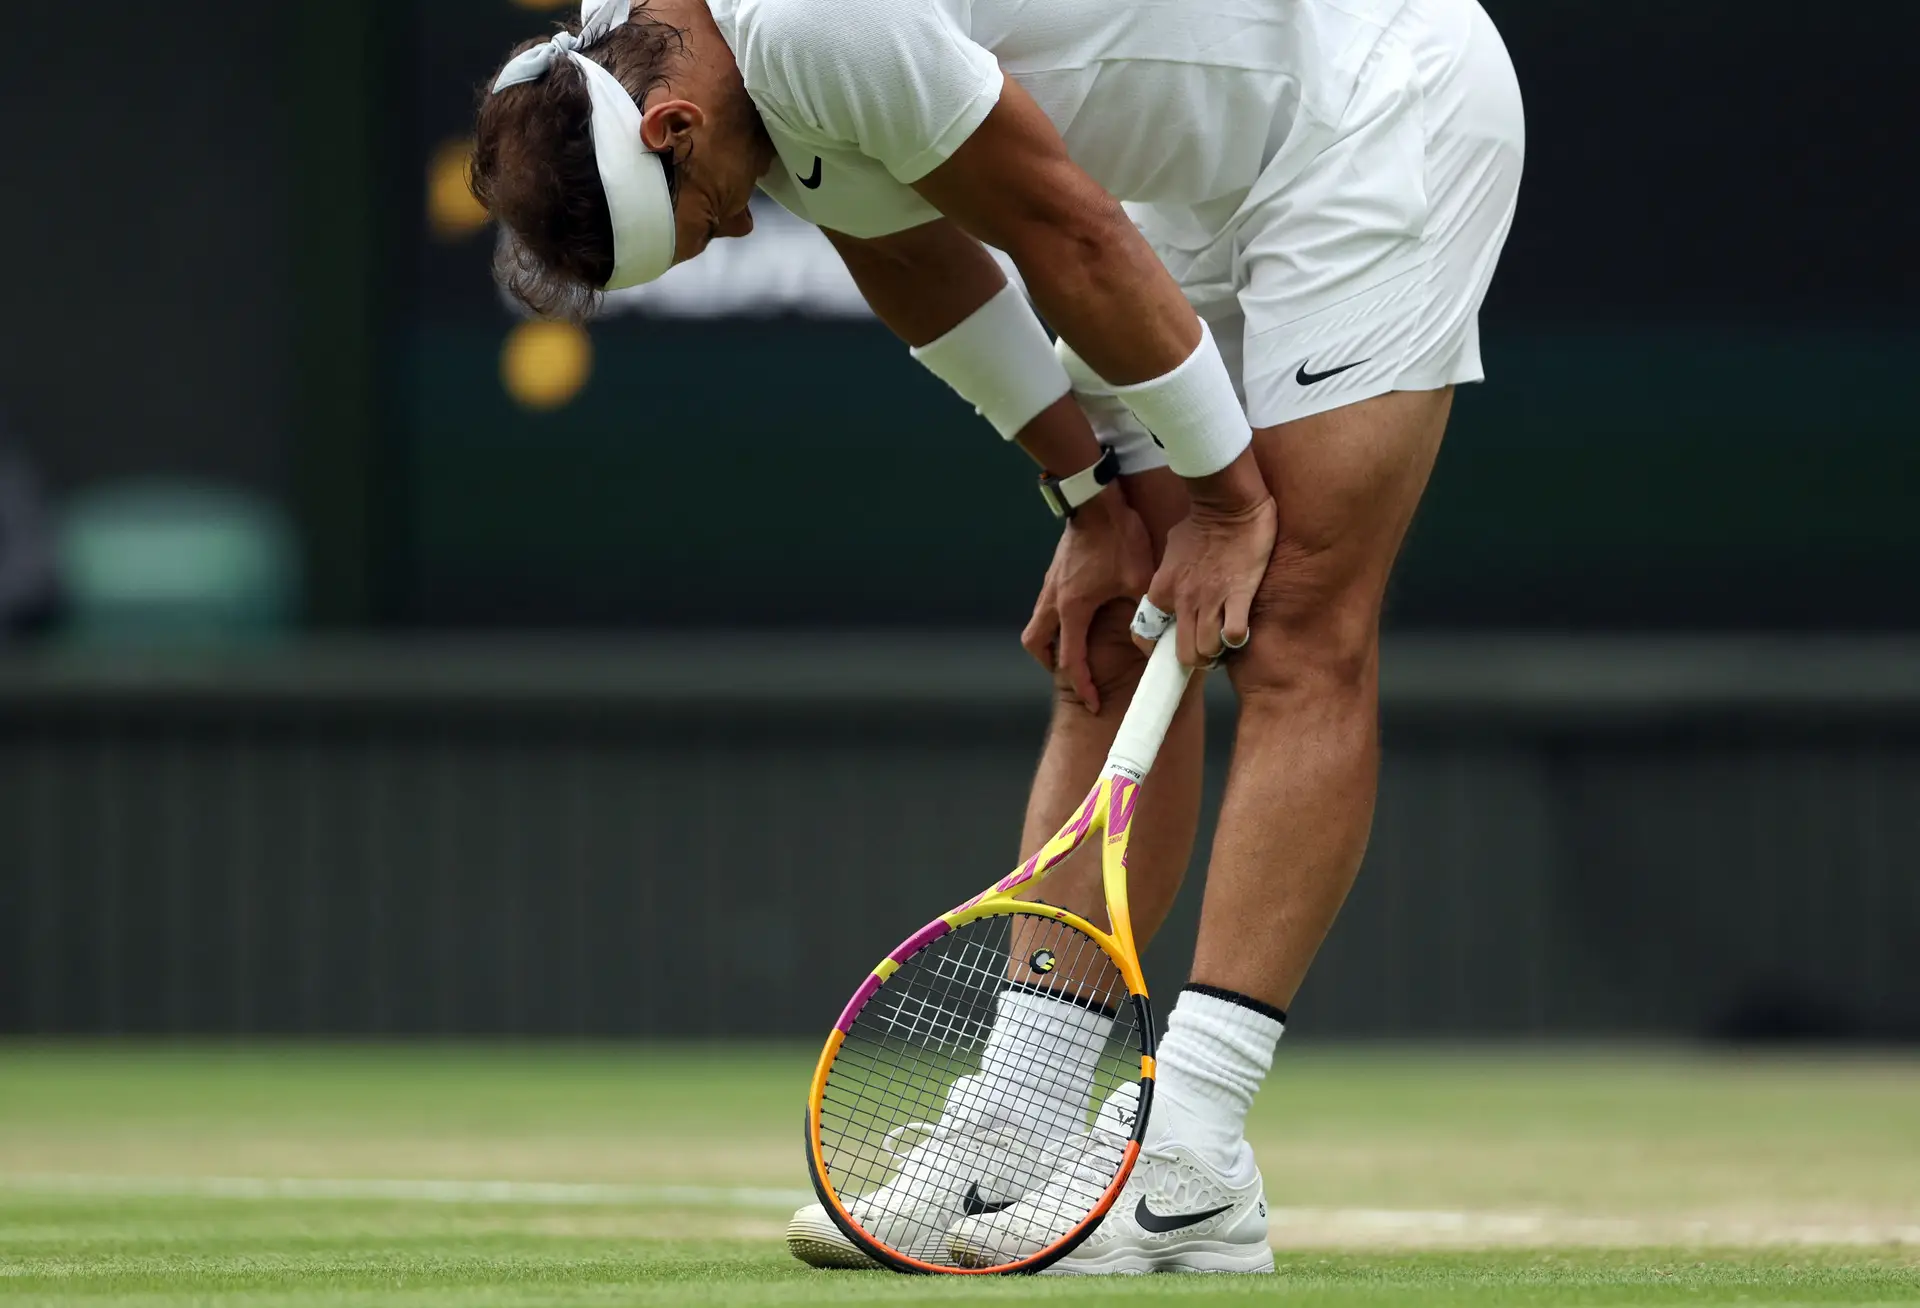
x: 1060, y: 439
x: 1101, y: 286
x: 1112, y: 299
x: 922, y: 282
x: 1013, y: 184
x: 935, y: 284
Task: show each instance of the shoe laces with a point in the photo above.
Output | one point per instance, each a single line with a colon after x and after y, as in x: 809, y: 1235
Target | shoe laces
x: 930, y: 1132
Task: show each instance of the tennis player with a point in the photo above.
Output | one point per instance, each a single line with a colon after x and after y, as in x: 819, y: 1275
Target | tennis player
x: 1263, y: 230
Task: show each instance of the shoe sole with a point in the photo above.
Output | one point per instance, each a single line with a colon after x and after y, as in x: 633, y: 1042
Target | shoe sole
x: 817, y: 1242
x: 1215, y: 1257
x: 1206, y: 1256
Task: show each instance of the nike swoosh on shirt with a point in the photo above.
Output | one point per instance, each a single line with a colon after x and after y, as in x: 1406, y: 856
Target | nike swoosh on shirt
x: 1152, y: 1221
x: 1306, y: 378
x: 812, y: 183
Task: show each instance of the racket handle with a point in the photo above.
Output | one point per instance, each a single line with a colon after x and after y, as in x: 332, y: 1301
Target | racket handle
x: 1151, y: 713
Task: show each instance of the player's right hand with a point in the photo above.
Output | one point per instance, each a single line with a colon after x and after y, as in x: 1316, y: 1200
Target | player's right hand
x: 1104, y: 554
x: 1208, y: 576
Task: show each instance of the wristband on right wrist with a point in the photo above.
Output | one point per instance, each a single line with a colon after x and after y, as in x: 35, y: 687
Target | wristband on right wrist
x: 1000, y: 360
x: 1193, y: 412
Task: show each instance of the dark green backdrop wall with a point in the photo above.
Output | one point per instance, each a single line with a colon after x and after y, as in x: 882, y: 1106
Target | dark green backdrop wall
x: 689, y: 836
x: 1701, y: 344
x: 1700, y: 410
x: 145, y: 201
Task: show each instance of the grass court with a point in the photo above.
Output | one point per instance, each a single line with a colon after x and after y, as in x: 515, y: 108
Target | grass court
x: 419, y: 1175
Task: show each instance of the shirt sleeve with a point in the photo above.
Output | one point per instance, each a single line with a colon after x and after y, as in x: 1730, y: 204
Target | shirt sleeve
x: 901, y: 80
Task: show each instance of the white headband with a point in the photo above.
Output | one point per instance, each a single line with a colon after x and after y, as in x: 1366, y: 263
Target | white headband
x: 634, y: 177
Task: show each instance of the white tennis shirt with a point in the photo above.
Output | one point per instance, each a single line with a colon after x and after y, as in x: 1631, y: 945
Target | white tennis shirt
x: 1179, y: 104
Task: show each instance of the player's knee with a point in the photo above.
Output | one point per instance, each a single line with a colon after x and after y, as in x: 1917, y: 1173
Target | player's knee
x: 1114, y: 661
x: 1315, y: 629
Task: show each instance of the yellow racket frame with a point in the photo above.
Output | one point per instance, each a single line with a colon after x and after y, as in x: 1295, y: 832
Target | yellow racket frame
x: 1114, y: 795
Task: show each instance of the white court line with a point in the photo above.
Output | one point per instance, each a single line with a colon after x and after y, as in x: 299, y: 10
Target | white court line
x: 1384, y: 1227
x: 1291, y: 1227
x: 439, y: 1192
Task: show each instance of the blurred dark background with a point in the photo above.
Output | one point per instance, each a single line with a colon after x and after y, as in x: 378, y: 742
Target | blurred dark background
x: 376, y: 661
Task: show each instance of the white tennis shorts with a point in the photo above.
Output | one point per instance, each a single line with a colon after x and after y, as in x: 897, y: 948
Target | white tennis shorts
x: 1358, y: 264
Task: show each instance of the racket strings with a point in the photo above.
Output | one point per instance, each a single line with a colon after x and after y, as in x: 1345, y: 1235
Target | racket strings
x: 968, y: 1084
x: 945, y: 1009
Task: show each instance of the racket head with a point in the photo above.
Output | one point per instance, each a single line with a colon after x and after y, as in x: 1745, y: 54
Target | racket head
x: 918, y: 1024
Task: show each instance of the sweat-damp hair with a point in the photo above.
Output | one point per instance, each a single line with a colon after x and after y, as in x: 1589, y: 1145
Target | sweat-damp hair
x: 535, y: 172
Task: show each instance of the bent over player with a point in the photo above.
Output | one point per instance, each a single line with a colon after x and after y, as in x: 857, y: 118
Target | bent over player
x: 1263, y: 230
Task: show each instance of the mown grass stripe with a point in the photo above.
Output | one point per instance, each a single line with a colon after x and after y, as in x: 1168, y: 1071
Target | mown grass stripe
x: 425, y: 1191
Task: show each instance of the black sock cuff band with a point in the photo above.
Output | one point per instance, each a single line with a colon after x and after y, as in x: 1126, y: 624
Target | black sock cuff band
x: 1235, y: 997
x: 1063, y: 996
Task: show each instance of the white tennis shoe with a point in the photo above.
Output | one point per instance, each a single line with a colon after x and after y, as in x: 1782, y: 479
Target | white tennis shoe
x: 957, y: 1171
x: 816, y: 1241
x: 1055, y: 1208
x: 1175, y: 1214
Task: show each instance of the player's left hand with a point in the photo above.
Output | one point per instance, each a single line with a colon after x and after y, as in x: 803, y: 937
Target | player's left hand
x: 1212, y: 567
x: 1104, y: 554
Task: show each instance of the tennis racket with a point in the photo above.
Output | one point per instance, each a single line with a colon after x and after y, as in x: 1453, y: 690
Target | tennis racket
x: 951, y: 1121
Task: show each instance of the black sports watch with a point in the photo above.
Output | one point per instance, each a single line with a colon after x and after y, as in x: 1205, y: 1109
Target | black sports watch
x: 1065, y: 494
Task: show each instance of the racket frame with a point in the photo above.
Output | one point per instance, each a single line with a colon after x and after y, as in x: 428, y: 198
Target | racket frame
x: 1107, y: 809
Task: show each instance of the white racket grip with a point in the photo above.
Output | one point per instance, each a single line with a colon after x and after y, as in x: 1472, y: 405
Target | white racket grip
x: 1151, y: 713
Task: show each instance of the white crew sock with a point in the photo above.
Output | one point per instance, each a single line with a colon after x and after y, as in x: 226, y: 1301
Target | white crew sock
x: 1037, y: 1068
x: 1211, y: 1063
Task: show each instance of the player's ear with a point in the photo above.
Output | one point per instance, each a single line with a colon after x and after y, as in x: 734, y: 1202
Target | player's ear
x: 670, y: 123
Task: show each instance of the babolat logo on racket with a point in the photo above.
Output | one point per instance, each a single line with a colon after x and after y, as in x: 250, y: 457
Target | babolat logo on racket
x: 1043, y: 960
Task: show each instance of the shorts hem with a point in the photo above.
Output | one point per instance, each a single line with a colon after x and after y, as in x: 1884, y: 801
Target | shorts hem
x: 1313, y: 408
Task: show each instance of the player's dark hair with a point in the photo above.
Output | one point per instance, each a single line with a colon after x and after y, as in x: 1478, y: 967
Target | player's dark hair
x: 534, y: 168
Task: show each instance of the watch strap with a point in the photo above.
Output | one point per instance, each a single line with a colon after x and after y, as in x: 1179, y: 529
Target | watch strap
x: 1066, y: 494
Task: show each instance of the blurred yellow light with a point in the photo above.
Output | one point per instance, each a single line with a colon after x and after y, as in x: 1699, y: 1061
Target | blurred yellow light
x: 451, y: 209
x: 543, y: 365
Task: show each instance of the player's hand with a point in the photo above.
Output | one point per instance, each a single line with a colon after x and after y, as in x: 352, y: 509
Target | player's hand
x: 1211, y: 570
x: 1104, y: 554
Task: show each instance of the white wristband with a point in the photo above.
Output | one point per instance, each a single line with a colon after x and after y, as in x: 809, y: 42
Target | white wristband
x: 1001, y: 361
x: 1193, y: 412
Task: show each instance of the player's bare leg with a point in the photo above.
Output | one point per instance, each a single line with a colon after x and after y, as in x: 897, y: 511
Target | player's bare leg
x: 1300, y: 793
x: 1292, y: 831
x: 1078, y: 741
